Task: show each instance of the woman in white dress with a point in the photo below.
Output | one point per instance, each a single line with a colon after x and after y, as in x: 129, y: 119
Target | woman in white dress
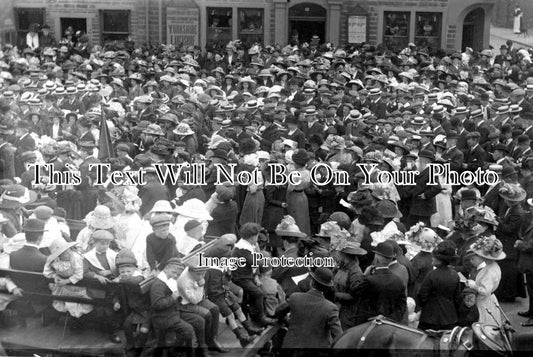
x: 486, y: 252
x: 517, y: 24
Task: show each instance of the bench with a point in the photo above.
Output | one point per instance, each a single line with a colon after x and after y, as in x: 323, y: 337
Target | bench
x: 252, y: 349
x: 36, y: 337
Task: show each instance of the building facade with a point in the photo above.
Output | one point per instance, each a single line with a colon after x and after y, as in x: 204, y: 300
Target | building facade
x: 448, y: 24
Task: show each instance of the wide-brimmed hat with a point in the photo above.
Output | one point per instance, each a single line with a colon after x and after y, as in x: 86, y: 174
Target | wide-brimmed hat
x: 58, y: 247
x: 288, y: 228
x: 388, y: 209
x: 183, y: 129
x: 353, y: 248
x: 446, y: 251
x: 162, y: 206
x: 194, y: 208
x: 100, y: 218
x: 154, y: 129
x: 323, y: 276
x: 15, y: 196
x: 512, y: 192
x: 489, y: 248
x: 427, y: 240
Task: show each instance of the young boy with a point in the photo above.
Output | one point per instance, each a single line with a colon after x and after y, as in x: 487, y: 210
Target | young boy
x: 468, y: 312
x: 137, y: 323
x: 160, y: 244
x: 274, y: 294
x: 217, y: 289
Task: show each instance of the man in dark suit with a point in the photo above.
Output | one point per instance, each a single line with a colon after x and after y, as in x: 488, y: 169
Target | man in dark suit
x: 421, y: 194
x: 525, y: 263
x: 314, y: 322
x: 452, y: 155
x: 284, y: 274
x: 7, y: 155
x: 23, y: 143
x: 164, y: 297
x: 522, y: 149
x: 457, y: 125
x: 244, y: 276
x: 376, y: 104
x: 492, y: 198
x: 381, y: 292
x: 312, y: 125
x: 508, y: 232
x: 29, y: 257
x: 475, y: 156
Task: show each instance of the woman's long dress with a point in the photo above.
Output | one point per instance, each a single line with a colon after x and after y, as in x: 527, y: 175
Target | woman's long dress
x: 487, y: 281
x: 297, y: 204
x: 517, y: 24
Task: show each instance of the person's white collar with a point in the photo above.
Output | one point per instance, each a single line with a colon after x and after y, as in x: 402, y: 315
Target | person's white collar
x: 171, y: 283
x: 244, y: 244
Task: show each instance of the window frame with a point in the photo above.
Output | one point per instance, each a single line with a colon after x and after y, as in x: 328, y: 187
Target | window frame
x: 407, y: 36
x: 240, y: 33
x: 228, y: 32
x: 103, y: 33
x: 21, y: 33
x: 438, y: 30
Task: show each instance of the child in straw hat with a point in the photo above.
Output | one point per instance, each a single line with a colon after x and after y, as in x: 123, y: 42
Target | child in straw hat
x: 65, y: 266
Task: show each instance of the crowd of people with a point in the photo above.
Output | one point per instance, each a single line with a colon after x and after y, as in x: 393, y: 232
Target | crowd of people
x: 427, y: 256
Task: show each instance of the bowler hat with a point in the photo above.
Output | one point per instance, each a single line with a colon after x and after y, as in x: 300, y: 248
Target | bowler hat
x: 33, y: 225
x: 300, y: 157
x: 385, y: 249
x: 323, y: 276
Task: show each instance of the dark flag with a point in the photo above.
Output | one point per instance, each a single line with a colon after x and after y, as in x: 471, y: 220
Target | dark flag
x: 105, y: 147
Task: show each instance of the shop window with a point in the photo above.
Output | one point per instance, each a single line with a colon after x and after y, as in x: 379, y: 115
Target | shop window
x: 24, y: 18
x: 396, y: 31
x: 219, y: 26
x: 251, y: 25
x: 115, y: 25
x: 428, y: 29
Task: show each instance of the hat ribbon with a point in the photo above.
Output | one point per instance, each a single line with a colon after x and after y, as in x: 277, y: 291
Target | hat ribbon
x: 23, y: 199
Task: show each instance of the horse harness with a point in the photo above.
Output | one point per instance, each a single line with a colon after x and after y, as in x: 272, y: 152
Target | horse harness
x: 381, y: 320
x: 449, y: 342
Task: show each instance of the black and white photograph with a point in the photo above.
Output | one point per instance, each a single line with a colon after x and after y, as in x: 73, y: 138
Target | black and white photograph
x: 266, y: 178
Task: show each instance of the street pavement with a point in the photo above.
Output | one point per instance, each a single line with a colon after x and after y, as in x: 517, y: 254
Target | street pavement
x: 499, y: 35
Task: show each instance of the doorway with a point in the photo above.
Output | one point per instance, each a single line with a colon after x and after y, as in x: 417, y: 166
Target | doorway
x: 305, y: 21
x: 473, y: 26
x: 77, y: 24
x: 303, y: 31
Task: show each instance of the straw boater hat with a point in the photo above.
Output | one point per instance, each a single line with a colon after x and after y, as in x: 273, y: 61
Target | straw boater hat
x: 100, y: 218
x: 288, y: 228
x: 58, y: 247
x: 488, y: 248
